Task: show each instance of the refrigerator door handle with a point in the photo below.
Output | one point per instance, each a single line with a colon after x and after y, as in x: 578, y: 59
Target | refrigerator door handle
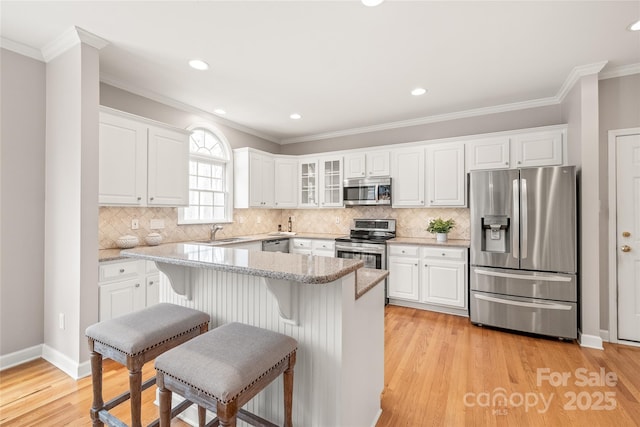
x: 515, y: 231
x: 546, y: 306
x: 522, y: 276
x: 525, y: 220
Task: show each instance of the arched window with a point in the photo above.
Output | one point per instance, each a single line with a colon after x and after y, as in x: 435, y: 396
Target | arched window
x: 210, y: 178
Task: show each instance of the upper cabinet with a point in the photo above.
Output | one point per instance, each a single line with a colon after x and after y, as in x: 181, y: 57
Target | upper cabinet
x: 446, y: 178
x: 492, y: 153
x: 538, y: 149
x: 286, y: 180
x: 141, y: 163
x: 253, y: 177
x: 367, y: 165
x: 308, y: 183
x: 407, y: 170
x: 330, y: 182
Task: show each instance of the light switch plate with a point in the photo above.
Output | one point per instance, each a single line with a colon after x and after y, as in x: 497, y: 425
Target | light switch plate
x: 156, y: 224
x: 135, y: 224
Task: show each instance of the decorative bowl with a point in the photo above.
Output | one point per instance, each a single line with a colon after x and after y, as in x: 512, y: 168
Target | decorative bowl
x: 153, y: 239
x: 128, y: 241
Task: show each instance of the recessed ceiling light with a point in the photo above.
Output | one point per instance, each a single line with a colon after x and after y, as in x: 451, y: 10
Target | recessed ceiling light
x: 635, y: 26
x: 295, y: 116
x: 220, y: 111
x: 198, y: 64
x: 371, y: 3
x: 418, y: 91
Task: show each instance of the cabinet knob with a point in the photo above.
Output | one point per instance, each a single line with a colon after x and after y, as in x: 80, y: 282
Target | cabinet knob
x: 416, y: 265
x: 421, y: 201
x: 426, y: 265
x: 151, y: 283
x: 444, y: 254
x: 519, y: 162
x: 150, y: 198
x: 506, y: 163
x: 122, y: 270
x: 139, y: 198
x: 430, y: 201
x: 137, y: 285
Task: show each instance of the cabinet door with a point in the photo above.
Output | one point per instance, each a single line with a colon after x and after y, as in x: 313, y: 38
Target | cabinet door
x: 122, y: 161
x: 152, y: 294
x: 286, y: 180
x: 168, y: 162
x: 446, y: 178
x: 538, y: 149
x: 408, y: 177
x: 331, y: 183
x: 488, y: 154
x: 443, y: 283
x: 308, y: 179
x: 323, y: 248
x: 378, y: 163
x: 355, y: 166
x: 268, y: 182
x: 403, y: 278
x: 119, y: 298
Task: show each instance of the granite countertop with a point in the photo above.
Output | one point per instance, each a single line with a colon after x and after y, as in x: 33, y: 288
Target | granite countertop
x: 114, y: 254
x: 367, y: 279
x: 460, y: 243
x: 299, y: 268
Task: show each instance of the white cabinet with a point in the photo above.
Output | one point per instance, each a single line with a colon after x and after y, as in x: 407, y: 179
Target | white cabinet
x: 300, y: 246
x: 484, y: 154
x: 538, y: 149
x: 318, y: 247
x: 286, y: 180
x: 126, y: 286
x: 446, y: 177
x: 443, y: 277
x: 428, y: 277
x: 330, y: 182
x: 253, y: 178
x: 404, y: 278
x: 365, y: 165
x: 407, y: 171
x: 308, y: 181
x: 141, y: 164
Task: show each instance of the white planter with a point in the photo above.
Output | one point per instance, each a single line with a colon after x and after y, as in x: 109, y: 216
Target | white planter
x: 441, y: 237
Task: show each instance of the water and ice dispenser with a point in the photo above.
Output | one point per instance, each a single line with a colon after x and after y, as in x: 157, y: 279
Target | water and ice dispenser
x: 496, y: 232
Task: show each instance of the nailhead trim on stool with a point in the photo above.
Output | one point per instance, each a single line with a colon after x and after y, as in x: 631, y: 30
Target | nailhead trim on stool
x: 132, y: 340
x: 225, y: 368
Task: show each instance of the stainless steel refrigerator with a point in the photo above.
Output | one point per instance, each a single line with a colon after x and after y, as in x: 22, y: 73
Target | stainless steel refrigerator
x: 524, y: 250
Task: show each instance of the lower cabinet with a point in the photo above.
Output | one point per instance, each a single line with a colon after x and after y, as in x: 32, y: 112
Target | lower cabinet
x: 126, y: 286
x: 318, y: 247
x: 427, y: 277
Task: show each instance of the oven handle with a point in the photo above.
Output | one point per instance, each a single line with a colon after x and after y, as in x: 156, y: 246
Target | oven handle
x: 548, y: 306
x: 360, y: 250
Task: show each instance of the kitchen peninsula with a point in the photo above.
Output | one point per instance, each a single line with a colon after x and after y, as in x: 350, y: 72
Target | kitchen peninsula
x: 331, y: 306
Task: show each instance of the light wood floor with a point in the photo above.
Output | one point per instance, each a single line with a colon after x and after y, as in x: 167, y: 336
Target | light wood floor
x: 439, y: 371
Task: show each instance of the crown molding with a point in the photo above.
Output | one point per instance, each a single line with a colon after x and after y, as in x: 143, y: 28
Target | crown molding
x: 621, y: 71
x: 154, y: 96
x: 71, y: 37
x: 576, y: 74
x: 21, y: 49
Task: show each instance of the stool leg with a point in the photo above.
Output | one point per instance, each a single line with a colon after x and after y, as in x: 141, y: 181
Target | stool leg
x: 96, y: 379
x: 287, y: 378
x: 135, y: 384
x: 202, y: 416
x: 227, y: 414
x: 164, y: 398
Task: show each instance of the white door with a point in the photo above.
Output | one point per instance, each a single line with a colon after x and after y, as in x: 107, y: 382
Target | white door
x: 403, y: 278
x: 286, y: 180
x: 408, y: 177
x: 628, y: 236
x: 168, y: 168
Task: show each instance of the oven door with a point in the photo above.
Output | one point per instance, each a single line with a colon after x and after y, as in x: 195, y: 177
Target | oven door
x: 372, y: 255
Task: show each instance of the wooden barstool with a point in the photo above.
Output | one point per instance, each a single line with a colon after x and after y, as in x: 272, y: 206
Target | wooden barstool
x: 133, y: 340
x: 223, y: 369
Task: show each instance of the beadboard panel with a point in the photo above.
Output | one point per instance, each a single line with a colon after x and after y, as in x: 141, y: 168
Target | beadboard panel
x: 318, y: 380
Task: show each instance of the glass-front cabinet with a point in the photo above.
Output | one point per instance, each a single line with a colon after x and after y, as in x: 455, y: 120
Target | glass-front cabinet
x: 320, y: 182
x: 331, y: 183
x: 308, y: 183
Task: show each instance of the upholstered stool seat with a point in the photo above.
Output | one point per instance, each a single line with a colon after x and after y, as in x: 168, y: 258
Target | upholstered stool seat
x: 223, y: 369
x: 133, y: 340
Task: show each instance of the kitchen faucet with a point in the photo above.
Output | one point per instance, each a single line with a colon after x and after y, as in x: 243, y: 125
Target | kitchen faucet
x: 214, y: 229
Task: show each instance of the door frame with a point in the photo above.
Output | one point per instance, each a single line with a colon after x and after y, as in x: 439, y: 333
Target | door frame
x: 613, y: 259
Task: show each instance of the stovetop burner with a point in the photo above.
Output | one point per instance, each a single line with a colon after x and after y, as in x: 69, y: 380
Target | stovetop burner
x: 370, y: 231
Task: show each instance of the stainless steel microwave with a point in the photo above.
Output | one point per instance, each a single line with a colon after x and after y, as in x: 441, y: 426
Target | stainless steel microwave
x: 368, y: 191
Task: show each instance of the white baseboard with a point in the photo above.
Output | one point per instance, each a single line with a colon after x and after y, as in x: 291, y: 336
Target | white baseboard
x: 604, y: 334
x: 21, y: 356
x: 590, y: 341
x: 65, y: 364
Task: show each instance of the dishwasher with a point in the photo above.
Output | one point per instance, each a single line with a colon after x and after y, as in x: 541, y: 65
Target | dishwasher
x: 276, y: 245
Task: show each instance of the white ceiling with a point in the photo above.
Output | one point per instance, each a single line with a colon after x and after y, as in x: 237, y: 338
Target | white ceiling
x: 342, y: 65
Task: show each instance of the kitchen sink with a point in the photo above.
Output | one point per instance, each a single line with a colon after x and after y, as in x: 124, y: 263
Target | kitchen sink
x: 222, y: 241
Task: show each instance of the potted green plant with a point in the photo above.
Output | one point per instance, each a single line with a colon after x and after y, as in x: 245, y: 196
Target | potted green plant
x: 441, y: 228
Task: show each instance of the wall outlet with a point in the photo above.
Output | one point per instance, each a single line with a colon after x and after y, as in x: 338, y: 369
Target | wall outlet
x: 61, y: 320
x: 240, y: 219
x: 337, y: 220
x: 259, y: 220
x: 135, y: 224
x: 156, y: 224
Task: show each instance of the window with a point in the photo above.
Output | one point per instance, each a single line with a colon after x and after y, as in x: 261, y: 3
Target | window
x: 209, y: 179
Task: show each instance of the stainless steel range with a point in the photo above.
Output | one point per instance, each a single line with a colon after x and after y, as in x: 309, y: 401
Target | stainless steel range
x: 367, y: 242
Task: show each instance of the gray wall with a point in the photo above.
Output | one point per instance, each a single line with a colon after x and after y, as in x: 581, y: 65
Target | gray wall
x: 122, y: 100
x: 22, y: 153
x: 619, y: 109
x: 532, y: 117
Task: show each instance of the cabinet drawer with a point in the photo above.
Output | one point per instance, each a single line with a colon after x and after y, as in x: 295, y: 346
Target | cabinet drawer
x: 444, y: 253
x: 302, y: 243
x: 327, y: 245
x: 117, y: 271
x: 399, y: 250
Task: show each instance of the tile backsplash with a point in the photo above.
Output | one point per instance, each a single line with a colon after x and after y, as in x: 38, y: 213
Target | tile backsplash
x: 116, y: 221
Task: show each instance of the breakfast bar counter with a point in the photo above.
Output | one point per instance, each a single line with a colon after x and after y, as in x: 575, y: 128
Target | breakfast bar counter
x: 336, y: 317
